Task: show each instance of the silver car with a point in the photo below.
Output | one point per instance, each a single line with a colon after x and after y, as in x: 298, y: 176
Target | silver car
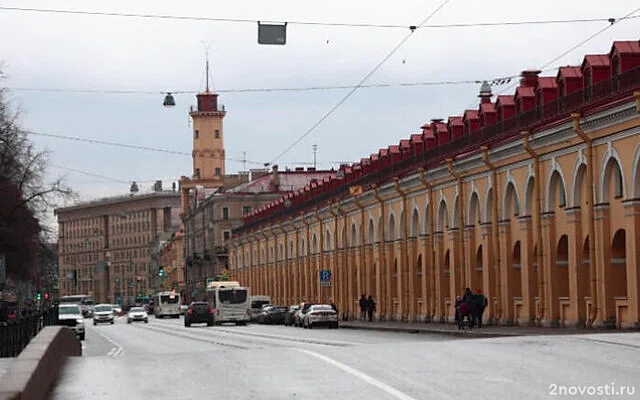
x: 103, y: 313
x: 70, y: 315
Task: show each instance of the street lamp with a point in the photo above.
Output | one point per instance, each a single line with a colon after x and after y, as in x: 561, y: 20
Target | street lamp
x: 169, y: 101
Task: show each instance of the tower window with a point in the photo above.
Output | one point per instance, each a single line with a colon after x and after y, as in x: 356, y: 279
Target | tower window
x: 198, y: 173
x: 196, y: 134
x: 218, y: 171
x: 217, y: 133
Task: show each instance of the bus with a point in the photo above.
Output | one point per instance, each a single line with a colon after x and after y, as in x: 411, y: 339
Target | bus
x: 166, y: 304
x: 85, y: 302
x: 229, y: 300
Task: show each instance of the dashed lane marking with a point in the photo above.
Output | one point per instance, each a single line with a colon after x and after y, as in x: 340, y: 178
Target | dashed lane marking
x: 359, y: 374
x: 115, y: 351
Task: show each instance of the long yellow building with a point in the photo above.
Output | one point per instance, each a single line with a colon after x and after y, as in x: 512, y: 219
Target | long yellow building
x: 533, y: 198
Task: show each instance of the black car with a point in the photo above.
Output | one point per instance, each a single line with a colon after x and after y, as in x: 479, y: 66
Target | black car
x: 199, y: 312
x: 273, y: 315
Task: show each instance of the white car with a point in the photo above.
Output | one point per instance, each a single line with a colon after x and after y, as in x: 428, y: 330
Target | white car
x: 70, y: 315
x: 103, y: 313
x: 320, y: 315
x: 137, y: 314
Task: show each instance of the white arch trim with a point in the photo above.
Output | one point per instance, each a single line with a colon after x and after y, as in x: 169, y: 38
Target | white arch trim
x: 611, y: 154
x: 635, y: 172
x: 470, y: 208
x: 509, y: 181
x: 555, y: 167
x: 580, y: 162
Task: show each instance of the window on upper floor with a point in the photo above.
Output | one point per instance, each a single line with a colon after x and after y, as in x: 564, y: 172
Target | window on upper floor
x: 218, y: 171
x: 246, y: 210
x: 226, y: 235
x: 225, y: 212
x: 217, y: 134
x: 196, y: 134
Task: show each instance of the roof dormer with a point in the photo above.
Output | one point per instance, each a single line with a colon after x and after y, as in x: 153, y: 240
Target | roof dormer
x: 429, y: 137
x: 546, y: 94
x: 569, y: 80
x: 456, y: 127
x: 417, y: 144
x: 471, y: 121
x: 505, y: 107
x: 595, y: 69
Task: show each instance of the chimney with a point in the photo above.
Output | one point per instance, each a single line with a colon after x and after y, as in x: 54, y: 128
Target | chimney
x: 274, y: 184
x: 485, y: 93
x: 435, y: 121
x: 529, y: 78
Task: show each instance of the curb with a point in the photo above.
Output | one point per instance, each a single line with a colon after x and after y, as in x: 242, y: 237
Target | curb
x: 462, y: 333
x: 33, y: 373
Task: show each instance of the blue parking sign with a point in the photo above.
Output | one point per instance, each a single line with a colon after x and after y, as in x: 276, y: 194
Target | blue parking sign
x: 325, y: 275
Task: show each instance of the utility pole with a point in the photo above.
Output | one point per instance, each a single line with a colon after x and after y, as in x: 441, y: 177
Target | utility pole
x: 315, y: 150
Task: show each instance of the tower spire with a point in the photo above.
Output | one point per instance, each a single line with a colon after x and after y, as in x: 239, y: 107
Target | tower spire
x: 207, y: 70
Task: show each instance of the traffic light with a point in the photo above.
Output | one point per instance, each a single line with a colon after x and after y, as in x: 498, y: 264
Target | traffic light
x: 39, y: 295
x: 161, y: 271
x: 46, y: 296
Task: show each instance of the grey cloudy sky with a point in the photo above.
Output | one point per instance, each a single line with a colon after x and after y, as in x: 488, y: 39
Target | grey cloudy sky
x: 61, y: 51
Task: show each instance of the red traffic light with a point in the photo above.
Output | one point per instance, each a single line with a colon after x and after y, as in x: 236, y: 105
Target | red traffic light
x: 46, y: 296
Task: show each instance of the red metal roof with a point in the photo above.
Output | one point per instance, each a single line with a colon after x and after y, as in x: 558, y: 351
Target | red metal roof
x: 404, y: 144
x: 416, y: 138
x: 471, y: 114
x: 569, y: 72
x: 547, y: 82
x: 394, y: 148
x: 457, y: 120
x: 626, y: 47
x: 525, y: 92
x: 596, y: 60
x: 487, y: 107
x: 442, y: 127
x: 288, y: 181
x: 506, y: 100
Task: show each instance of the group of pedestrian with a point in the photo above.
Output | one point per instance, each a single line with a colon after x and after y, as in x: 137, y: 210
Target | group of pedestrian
x: 469, y: 309
x: 367, y: 308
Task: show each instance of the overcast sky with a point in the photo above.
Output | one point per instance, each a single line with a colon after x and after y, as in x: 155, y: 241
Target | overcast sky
x: 107, y: 53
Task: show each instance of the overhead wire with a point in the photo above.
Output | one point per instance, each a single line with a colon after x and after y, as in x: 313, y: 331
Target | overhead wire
x: 612, y: 22
x: 310, y: 23
x: 257, y: 90
x: 362, y: 81
x: 128, y: 146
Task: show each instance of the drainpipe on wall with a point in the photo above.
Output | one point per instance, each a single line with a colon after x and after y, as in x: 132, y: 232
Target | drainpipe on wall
x: 593, y: 314
x: 322, y: 266
x: 285, y: 266
x: 307, y: 266
x: 335, y: 251
x: 345, y: 258
x: 538, y: 206
x: 432, y: 254
x: 383, y: 263
x: 362, y: 244
x: 458, y: 177
x: 496, y: 234
x: 405, y: 237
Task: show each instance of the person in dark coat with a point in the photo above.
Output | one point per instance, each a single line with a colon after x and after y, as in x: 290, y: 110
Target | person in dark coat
x: 371, y: 308
x: 363, y: 308
x: 480, y: 304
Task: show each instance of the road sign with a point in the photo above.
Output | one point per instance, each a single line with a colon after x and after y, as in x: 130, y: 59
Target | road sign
x: 325, y: 275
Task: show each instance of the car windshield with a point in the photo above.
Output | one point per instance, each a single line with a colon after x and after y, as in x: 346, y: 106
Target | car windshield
x: 67, y: 310
x: 137, y: 309
x: 103, y: 309
x: 258, y: 303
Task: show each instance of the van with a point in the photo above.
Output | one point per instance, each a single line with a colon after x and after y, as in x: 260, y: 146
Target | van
x: 256, y: 304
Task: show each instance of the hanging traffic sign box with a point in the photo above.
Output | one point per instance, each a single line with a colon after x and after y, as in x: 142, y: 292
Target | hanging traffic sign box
x: 272, y: 33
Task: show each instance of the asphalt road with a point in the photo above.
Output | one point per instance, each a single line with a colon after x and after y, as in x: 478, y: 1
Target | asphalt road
x: 165, y: 360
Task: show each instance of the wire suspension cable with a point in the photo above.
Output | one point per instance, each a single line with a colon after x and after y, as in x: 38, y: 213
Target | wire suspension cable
x: 362, y: 81
x: 312, y: 23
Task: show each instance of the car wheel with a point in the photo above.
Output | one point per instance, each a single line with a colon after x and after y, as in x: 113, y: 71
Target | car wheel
x: 146, y: 321
x: 81, y: 336
x: 111, y: 322
x: 95, y: 323
x: 128, y: 321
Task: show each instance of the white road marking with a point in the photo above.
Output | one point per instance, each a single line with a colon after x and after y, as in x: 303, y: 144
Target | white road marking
x: 114, y: 352
x: 358, y: 374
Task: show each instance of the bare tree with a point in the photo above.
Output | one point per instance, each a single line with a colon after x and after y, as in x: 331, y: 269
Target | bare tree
x: 27, y: 194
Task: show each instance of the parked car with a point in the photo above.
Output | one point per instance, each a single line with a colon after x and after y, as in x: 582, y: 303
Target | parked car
x: 320, y: 315
x: 299, y: 316
x: 70, y: 315
x: 272, y: 315
x: 103, y: 313
x: 290, y: 316
x: 137, y: 314
x: 199, y: 312
x: 117, y: 309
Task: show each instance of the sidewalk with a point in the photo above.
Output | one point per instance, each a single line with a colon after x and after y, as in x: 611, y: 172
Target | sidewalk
x: 452, y: 329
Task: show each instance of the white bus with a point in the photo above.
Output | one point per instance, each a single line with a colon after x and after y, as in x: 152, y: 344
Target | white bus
x: 166, y: 304
x: 84, y: 301
x: 230, y: 302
